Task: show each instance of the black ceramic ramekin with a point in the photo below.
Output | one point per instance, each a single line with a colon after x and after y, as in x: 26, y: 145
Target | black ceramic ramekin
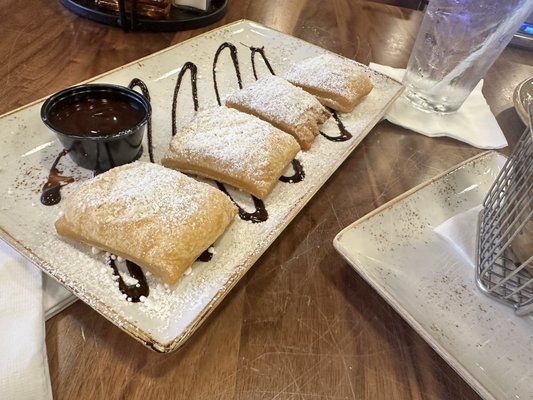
x: 101, y: 125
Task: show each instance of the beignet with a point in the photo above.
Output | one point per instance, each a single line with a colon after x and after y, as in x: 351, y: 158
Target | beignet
x: 284, y: 105
x: 156, y: 217
x: 337, y: 82
x: 232, y: 147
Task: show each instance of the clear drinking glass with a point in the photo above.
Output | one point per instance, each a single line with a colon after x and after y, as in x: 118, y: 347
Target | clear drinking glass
x: 457, y: 43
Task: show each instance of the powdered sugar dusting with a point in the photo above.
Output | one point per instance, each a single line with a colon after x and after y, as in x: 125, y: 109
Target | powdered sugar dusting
x: 327, y: 71
x: 221, y: 139
x: 139, y: 191
x: 280, y: 100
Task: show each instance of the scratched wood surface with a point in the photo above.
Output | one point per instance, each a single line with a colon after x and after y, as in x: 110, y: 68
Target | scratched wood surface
x: 301, y: 324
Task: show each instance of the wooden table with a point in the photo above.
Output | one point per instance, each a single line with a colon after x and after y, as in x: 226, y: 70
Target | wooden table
x: 301, y: 324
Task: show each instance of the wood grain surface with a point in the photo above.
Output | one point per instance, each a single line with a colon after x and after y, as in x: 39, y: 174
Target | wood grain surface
x: 301, y: 324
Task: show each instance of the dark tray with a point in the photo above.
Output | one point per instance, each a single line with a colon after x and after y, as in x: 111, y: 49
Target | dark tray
x: 178, y: 20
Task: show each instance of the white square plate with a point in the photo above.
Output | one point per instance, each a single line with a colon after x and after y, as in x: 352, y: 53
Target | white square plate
x: 169, y: 315
x: 433, y: 288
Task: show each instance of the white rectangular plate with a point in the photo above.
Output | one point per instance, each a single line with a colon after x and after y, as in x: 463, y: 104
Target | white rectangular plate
x: 169, y: 315
x: 433, y: 288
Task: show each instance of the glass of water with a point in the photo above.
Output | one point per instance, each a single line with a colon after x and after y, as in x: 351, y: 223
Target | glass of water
x: 457, y: 43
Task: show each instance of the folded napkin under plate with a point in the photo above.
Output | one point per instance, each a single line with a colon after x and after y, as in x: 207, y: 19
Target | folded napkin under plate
x: 461, y: 232
x: 27, y: 297
x: 473, y: 123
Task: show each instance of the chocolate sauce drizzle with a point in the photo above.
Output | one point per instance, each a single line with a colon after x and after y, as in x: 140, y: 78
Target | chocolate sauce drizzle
x: 133, y: 292
x: 299, y: 173
x: 136, y: 82
x: 51, y: 191
x: 234, y: 59
x: 205, y: 256
x: 136, y: 291
x: 344, y: 135
x: 261, y: 51
x: 188, y: 66
x: 259, y: 215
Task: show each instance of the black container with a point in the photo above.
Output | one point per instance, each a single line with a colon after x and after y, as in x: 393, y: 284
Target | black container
x: 101, y: 125
x: 180, y: 18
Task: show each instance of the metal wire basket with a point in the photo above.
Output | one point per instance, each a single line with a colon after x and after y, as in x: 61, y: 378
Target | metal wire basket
x: 505, y: 243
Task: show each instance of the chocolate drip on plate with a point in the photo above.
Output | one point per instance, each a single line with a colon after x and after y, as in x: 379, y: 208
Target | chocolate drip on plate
x: 205, y: 256
x: 133, y: 292
x: 234, y: 59
x: 188, y: 66
x: 135, y: 82
x: 51, y: 191
x: 140, y: 289
x: 261, y: 51
x: 299, y: 173
x: 259, y: 215
x: 344, y: 135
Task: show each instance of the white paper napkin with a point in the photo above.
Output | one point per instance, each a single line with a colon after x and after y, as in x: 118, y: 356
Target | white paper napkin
x: 473, y: 123
x: 200, y: 4
x: 460, y: 232
x: 23, y: 360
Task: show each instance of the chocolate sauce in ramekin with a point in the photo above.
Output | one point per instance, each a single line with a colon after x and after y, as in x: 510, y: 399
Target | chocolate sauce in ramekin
x: 102, y: 114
